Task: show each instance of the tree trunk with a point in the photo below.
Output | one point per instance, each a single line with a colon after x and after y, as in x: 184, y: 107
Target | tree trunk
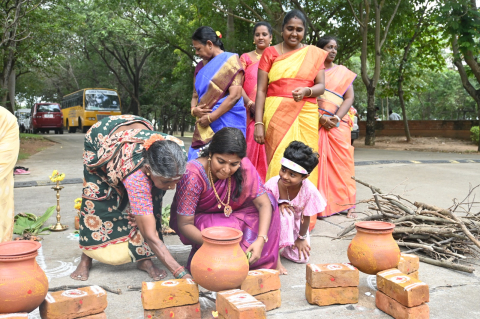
x: 11, y: 91
x: 404, y: 112
x: 183, y: 125
x: 388, y: 110
x: 478, y: 116
x: 371, y: 112
x: 383, y: 113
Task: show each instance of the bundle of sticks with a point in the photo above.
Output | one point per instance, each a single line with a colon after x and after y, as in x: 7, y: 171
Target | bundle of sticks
x: 446, y: 237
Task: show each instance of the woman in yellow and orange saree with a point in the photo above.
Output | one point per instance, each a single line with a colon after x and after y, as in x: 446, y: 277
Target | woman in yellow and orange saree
x: 336, y: 152
x: 290, y: 78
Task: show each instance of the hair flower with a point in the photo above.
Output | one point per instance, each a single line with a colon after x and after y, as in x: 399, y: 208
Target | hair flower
x: 152, y: 139
x: 218, y: 34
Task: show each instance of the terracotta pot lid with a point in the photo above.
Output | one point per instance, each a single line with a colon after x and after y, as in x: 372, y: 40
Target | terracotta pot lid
x: 222, y: 233
x: 375, y: 225
x: 18, y: 247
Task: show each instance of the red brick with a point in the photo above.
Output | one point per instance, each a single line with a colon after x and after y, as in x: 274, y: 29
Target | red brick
x: 403, y: 288
x: 237, y: 304
x: 22, y: 315
x: 414, y: 275
x: 101, y: 315
x: 181, y: 312
x: 260, y: 281
x: 169, y: 293
x: 271, y: 300
x: 408, y: 263
x: 332, y: 275
x: 399, y: 311
x: 74, y: 303
x: 331, y: 296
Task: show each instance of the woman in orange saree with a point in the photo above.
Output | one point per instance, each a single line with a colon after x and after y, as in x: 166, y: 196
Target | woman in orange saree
x: 290, y: 78
x: 336, y: 152
x: 262, y: 37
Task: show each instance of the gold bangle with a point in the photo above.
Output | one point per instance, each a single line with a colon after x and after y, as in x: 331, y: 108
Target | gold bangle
x: 191, y: 111
x: 311, y: 92
x: 208, y: 117
x: 259, y: 123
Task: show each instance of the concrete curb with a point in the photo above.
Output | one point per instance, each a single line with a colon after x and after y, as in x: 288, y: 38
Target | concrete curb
x: 361, y: 163
x: 45, y: 183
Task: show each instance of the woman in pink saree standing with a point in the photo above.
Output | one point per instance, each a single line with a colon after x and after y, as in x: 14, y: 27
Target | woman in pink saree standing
x: 262, y: 38
x: 223, y: 188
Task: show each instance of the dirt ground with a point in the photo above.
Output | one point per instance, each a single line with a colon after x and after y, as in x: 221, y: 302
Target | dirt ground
x: 430, y: 144
x: 31, y: 144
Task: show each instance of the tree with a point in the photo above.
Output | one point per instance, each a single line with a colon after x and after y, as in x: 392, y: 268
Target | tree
x: 363, y: 15
x: 463, y: 28
x: 15, y: 29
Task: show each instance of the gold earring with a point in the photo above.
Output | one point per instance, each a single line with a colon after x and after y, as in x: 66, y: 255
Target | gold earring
x: 271, y: 42
x: 253, y: 42
x: 148, y: 174
x: 209, y: 158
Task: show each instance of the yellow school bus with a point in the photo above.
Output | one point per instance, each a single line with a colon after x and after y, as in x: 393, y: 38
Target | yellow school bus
x: 85, y: 107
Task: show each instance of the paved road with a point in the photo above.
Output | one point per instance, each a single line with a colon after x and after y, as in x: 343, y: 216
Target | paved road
x: 453, y: 294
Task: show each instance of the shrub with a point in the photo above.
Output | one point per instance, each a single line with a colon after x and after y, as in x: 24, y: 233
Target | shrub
x: 475, y: 134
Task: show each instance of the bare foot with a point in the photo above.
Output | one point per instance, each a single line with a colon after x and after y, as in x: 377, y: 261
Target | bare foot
x: 148, y: 266
x: 351, y: 213
x: 280, y: 268
x: 83, y: 269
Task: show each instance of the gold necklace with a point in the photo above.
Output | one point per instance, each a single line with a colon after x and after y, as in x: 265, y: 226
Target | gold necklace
x: 259, y: 56
x: 228, y: 209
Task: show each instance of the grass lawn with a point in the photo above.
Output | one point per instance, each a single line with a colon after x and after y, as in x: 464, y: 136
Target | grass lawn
x: 31, y: 144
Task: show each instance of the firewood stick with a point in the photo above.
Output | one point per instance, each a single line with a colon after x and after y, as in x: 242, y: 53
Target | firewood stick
x: 414, y: 245
x: 425, y: 218
x: 445, y: 264
x: 427, y: 229
x: 465, y: 229
x: 432, y: 207
x: 427, y: 212
x: 454, y: 217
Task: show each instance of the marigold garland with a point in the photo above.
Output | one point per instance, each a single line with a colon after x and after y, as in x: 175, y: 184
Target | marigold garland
x: 152, y: 139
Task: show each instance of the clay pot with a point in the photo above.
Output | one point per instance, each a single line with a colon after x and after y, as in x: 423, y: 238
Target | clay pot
x: 220, y: 264
x: 77, y: 222
x: 373, y: 248
x: 23, y: 284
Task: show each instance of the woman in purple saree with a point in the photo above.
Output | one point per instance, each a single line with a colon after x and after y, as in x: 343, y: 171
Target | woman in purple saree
x: 223, y: 188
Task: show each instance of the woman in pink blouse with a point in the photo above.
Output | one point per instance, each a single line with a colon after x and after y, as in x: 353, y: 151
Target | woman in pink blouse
x: 128, y: 167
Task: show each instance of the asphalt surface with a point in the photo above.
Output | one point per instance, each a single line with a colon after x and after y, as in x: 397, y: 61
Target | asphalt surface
x: 453, y: 294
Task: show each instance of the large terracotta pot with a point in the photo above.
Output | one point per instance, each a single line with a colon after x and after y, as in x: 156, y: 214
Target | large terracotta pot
x: 23, y: 284
x: 373, y: 248
x: 220, y: 264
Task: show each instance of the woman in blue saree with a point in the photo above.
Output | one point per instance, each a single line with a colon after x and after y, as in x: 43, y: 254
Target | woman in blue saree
x: 217, y: 98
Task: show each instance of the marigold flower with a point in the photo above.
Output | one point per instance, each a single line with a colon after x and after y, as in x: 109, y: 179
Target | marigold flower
x: 152, y: 139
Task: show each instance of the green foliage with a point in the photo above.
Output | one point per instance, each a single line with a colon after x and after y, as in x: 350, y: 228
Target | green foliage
x: 166, y: 216
x: 30, y: 223
x: 475, y: 134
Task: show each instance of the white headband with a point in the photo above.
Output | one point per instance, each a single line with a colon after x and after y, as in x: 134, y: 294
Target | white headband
x: 293, y: 166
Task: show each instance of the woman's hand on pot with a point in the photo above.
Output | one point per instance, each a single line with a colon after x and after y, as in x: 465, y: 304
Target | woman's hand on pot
x: 303, y: 248
x: 201, y: 110
x: 256, y: 249
x: 259, y: 134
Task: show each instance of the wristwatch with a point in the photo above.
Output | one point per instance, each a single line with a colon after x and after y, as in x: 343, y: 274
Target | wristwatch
x: 265, y: 237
